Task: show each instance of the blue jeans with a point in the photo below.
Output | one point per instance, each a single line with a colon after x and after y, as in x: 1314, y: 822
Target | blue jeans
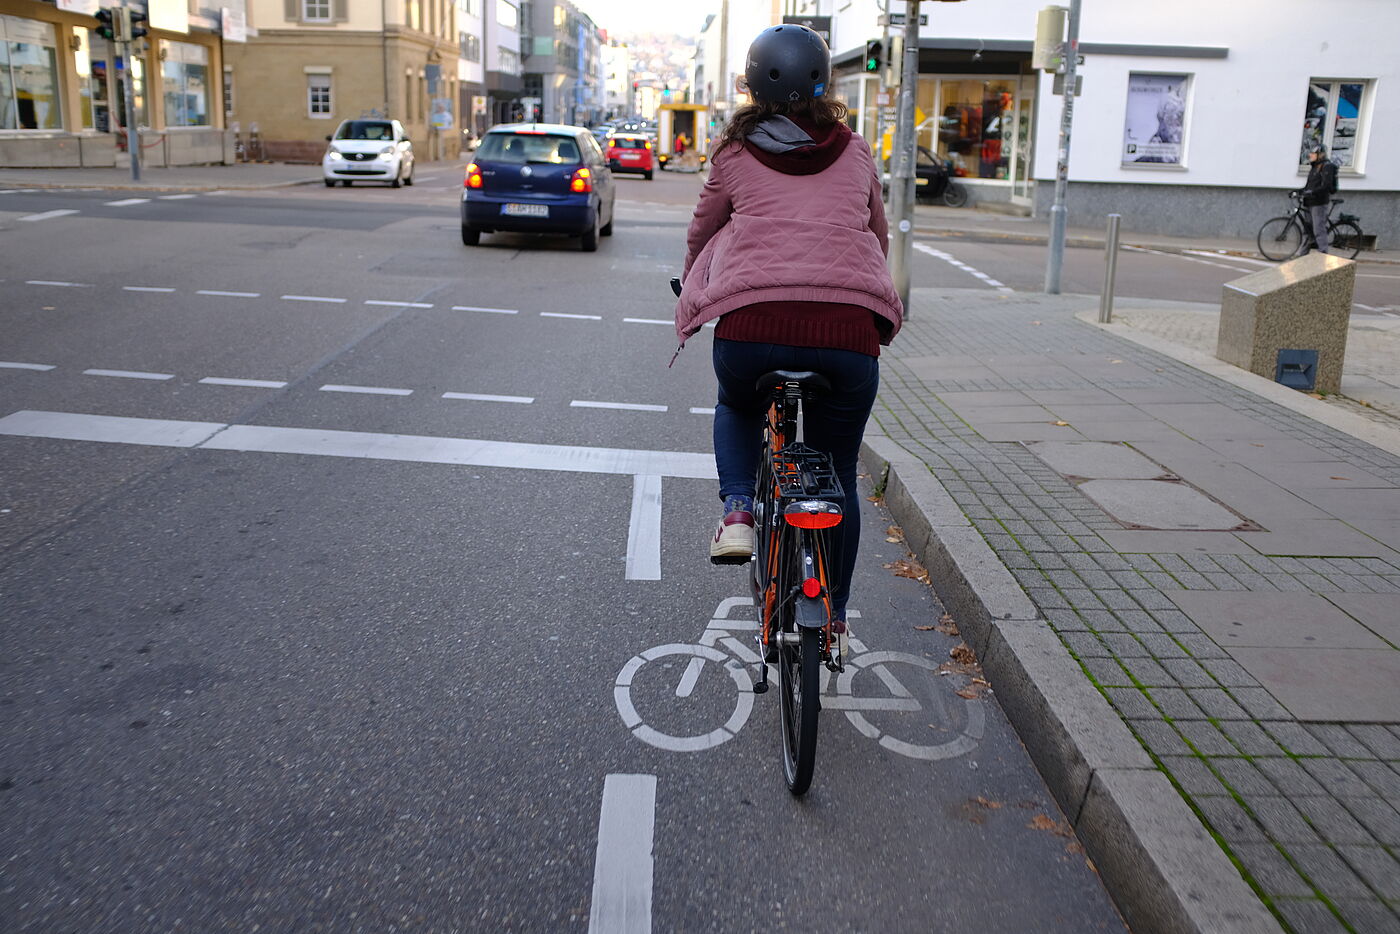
x: 833, y: 423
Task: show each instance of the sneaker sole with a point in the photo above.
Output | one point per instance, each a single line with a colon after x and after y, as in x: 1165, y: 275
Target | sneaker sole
x: 731, y: 559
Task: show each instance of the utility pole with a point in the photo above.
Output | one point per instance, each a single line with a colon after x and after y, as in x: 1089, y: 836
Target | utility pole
x: 884, y: 87
x: 1057, y: 211
x: 126, y: 48
x: 901, y: 211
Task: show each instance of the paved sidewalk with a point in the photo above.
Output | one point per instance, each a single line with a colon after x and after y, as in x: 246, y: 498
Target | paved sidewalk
x: 244, y: 175
x: 1186, y: 595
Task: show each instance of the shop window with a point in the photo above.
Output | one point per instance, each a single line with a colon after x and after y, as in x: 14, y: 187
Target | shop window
x: 974, y: 126
x: 1333, y: 118
x: 28, y: 76
x: 318, y: 96
x: 185, y: 83
x: 91, y: 72
x: 228, y: 92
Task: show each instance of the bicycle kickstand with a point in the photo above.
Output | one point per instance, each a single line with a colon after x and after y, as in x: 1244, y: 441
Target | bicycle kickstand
x: 761, y: 687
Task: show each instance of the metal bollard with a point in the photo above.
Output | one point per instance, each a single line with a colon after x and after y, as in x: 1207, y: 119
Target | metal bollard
x: 1110, y: 272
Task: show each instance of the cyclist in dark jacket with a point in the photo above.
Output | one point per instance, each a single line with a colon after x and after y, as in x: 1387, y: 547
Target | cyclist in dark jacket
x: 1317, y: 194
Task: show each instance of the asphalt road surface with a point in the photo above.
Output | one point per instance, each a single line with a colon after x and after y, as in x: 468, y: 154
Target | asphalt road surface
x: 354, y: 580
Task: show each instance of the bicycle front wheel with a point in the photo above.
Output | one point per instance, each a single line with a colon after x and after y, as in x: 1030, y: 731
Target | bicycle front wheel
x: 1280, y: 238
x: 799, y: 679
x: 1346, y: 240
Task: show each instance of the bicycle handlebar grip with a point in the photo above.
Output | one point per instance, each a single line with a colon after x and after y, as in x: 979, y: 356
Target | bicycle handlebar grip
x: 676, y: 285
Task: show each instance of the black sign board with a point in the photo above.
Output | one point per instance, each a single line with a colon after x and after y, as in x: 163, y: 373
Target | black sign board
x: 821, y: 25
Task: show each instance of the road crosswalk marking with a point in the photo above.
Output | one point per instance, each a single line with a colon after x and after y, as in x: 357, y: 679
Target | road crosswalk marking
x: 46, y: 215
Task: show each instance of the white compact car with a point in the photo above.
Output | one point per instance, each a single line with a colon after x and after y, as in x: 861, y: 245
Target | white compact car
x: 368, y: 150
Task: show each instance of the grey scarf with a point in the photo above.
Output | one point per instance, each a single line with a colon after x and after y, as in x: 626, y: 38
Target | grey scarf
x: 779, y: 135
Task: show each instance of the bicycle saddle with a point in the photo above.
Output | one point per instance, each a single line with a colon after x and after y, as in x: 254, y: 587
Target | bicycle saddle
x: 804, y: 378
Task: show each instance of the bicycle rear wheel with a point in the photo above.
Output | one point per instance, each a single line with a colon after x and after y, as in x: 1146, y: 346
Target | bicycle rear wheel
x: 1346, y: 240
x: 1280, y: 238
x: 799, y: 679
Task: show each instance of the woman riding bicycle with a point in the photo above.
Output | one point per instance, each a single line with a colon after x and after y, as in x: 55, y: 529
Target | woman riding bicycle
x: 787, y: 248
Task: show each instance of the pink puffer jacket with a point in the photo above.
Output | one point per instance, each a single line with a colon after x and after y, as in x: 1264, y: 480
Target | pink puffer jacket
x: 759, y: 235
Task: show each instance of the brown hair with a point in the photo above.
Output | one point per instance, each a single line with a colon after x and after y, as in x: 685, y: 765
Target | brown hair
x: 824, y: 111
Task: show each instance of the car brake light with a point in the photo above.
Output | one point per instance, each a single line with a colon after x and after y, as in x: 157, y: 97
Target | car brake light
x: 473, y: 179
x: 648, y: 145
x: 582, y: 181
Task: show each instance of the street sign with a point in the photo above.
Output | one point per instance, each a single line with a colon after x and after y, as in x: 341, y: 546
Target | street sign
x: 1058, y: 86
x: 897, y: 19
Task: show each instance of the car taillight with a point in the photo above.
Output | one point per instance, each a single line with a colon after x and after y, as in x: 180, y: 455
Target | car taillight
x: 582, y: 180
x: 648, y: 145
x: 473, y: 179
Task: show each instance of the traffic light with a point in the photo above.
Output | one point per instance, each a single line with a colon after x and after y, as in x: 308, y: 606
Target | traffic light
x: 106, y: 28
x: 136, y: 27
x: 874, y: 55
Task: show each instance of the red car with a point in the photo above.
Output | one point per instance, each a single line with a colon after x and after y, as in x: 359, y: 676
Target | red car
x: 631, y: 152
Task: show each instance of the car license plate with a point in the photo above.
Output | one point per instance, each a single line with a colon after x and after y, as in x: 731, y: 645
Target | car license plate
x: 526, y: 210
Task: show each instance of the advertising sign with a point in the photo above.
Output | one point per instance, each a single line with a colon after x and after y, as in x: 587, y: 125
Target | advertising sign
x: 1154, y: 129
x: 86, y: 7
x: 441, y: 118
x: 234, y: 22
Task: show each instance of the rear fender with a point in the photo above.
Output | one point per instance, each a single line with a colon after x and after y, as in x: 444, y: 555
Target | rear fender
x: 810, y: 612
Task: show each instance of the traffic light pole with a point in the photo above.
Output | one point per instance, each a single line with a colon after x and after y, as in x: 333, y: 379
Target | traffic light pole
x: 1055, y: 262
x: 902, y: 180
x: 126, y: 48
x: 884, y: 88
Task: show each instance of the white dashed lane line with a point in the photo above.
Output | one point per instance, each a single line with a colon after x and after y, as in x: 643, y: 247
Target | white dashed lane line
x: 124, y: 202
x: 562, y: 314
x: 367, y: 390
x: 129, y: 374
x: 47, y: 215
x: 145, y: 288
x: 648, y: 321
x: 252, y: 383
x: 223, y: 294
x: 174, y: 197
x: 62, y: 285
x: 700, y: 410
x: 625, y: 406
x: 484, y: 397
x: 959, y: 264
x: 489, y: 311
x: 313, y: 298
x: 25, y: 366
x: 372, y: 301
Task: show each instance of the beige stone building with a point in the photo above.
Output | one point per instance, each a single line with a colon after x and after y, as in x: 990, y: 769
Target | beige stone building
x: 313, y: 63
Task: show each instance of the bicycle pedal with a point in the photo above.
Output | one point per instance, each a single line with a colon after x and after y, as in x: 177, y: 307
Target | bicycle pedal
x: 761, y: 687
x: 730, y: 559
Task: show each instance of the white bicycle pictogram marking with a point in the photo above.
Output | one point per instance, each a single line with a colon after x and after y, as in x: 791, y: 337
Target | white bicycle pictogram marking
x: 740, y: 656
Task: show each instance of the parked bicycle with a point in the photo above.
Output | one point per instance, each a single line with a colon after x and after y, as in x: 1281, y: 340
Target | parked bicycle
x: 1282, y: 238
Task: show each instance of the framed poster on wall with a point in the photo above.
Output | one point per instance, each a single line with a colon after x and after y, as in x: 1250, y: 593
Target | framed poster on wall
x: 1154, y: 126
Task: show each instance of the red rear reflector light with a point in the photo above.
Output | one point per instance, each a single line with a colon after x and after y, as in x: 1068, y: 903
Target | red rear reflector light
x: 473, y: 179
x: 812, y: 588
x: 813, y: 520
x: 582, y: 181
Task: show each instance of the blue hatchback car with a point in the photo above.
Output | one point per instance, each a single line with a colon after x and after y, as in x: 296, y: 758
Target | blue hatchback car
x: 538, y: 178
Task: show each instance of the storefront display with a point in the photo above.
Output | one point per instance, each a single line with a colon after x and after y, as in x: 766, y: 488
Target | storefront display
x: 1154, y: 127
x: 185, y: 83
x: 29, y: 97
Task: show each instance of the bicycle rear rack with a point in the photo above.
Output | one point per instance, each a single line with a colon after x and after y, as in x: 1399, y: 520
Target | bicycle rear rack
x: 805, y: 473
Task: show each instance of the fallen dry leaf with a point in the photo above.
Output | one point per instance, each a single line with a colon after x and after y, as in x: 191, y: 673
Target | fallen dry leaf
x: 1339, y: 478
x: 892, y: 540
x: 1036, y: 323
x: 968, y: 693
x: 1058, y: 828
x: 895, y: 531
x: 907, y: 567
x: 925, y: 628
x: 1061, y: 424
x: 1115, y: 361
x: 963, y: 655
x: 983, y: 802
x: 947, y: 626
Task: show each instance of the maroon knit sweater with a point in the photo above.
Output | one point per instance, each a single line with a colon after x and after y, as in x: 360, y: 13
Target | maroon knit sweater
x: 805, y: 324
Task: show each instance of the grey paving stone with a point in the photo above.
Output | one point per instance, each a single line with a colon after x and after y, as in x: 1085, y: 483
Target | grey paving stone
x: 1308, y: 916
x: 1175, y: 621
x: 1242, y: 777
x: 1161, y: 580
x: 1131, y: 703
x: 1369, y: 915
x: 1086, y: 645
x: 1217, y: 704
x: 1161, y: 738
x: 1228, y: 819
x: 1193, y: 581
x: 1130, y: 581
x: 1385, y: 779
x: 1378, y: 816
x: 1250, y: 738
x: 1106, y: 672
x: 1289, y: 776
x: 1113, y: 562
x: 1333, y: 822
x: 1046, y: 597
x: 1125, y: 645
x: 1188, y: 673
x: 1376, y: 866
x: 1282, y: 820
x: 1339, y: 742
x: 1081, y: 599
x: 1206, y: 737
x: 1175, y: 703
x: 1339, y: 780
x: 1381, y: 741
x: 1100, y: 620
x: 1065, y: 620
x: 1047, y: 560
x: 1147, y: 672
x: 1193, y: 775
x: 1275, y: 875
x: 1229, y: 673
x: 1200, y: 645
x: 1115, y: 598
x: 1260, y: 704
x: 1295, y: 738
x: 1328, y: 871
x: 1162, y: 645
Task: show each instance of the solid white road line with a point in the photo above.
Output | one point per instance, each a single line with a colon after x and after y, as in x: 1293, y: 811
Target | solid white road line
x: 493, y: 311
x: 47, y: 215
x: 254, y: 383
x: 126, y: 201
x: 483, y: 397
x: 372, y: 301
x: 1232, y: 257
x: 648, y: 321
x: 625, y: 406
x: 623, y: 864
x: 66, y: 285
x: 312, y: 298
x: 129, y: 374
x: 367, y: 390
x: 959, y: 264
x: 644, y: 530
x: 227, y: 294
x: 25, y: 366
x: 561, y: 314
x: 699, y: 410
x: 174, y: 197
x: 145, y: 288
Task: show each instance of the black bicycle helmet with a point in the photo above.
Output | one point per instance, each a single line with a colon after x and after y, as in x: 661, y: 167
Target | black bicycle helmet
x: 788, y: 63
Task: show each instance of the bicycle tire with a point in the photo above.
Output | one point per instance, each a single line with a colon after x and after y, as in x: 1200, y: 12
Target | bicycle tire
x: 1344, y: 232
x: 1280, y: 238
x: 955, y: 196
x: 799, y: 680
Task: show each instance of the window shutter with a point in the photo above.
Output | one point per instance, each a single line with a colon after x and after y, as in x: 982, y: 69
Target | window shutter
x: 341, y: 12
x: 293, y: 9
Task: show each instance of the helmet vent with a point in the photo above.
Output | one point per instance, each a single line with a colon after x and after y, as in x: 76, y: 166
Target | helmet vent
x: 815, y: 74
x: 773, y: 74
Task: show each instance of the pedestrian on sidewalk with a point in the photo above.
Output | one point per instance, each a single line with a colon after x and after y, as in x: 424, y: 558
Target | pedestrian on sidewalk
x: 1317, y: 194
x: 787, y: 249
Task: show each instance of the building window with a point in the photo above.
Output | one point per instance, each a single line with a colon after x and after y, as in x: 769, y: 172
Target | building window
x: 316, y: 11
x: 509, y: 60
x: 318, y: 96
x: 507, y: 16
x: 466, y: 7
x: 1154, y: 128
x: 974, y: 126
x: 29, y: 97
x: 1333, y: 118
x: 470, y: 46
x: 92, y: 82
x: 228, y: 92
x: 184, y: 74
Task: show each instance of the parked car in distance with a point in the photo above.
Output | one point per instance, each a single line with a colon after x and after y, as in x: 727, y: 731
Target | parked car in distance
x: 632, y: 152
x: 538, y: 178
x: 368, y: 150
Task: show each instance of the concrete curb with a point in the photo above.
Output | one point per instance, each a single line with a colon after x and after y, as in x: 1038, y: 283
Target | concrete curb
x: 1163, y: 870
x: 53, y: 186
